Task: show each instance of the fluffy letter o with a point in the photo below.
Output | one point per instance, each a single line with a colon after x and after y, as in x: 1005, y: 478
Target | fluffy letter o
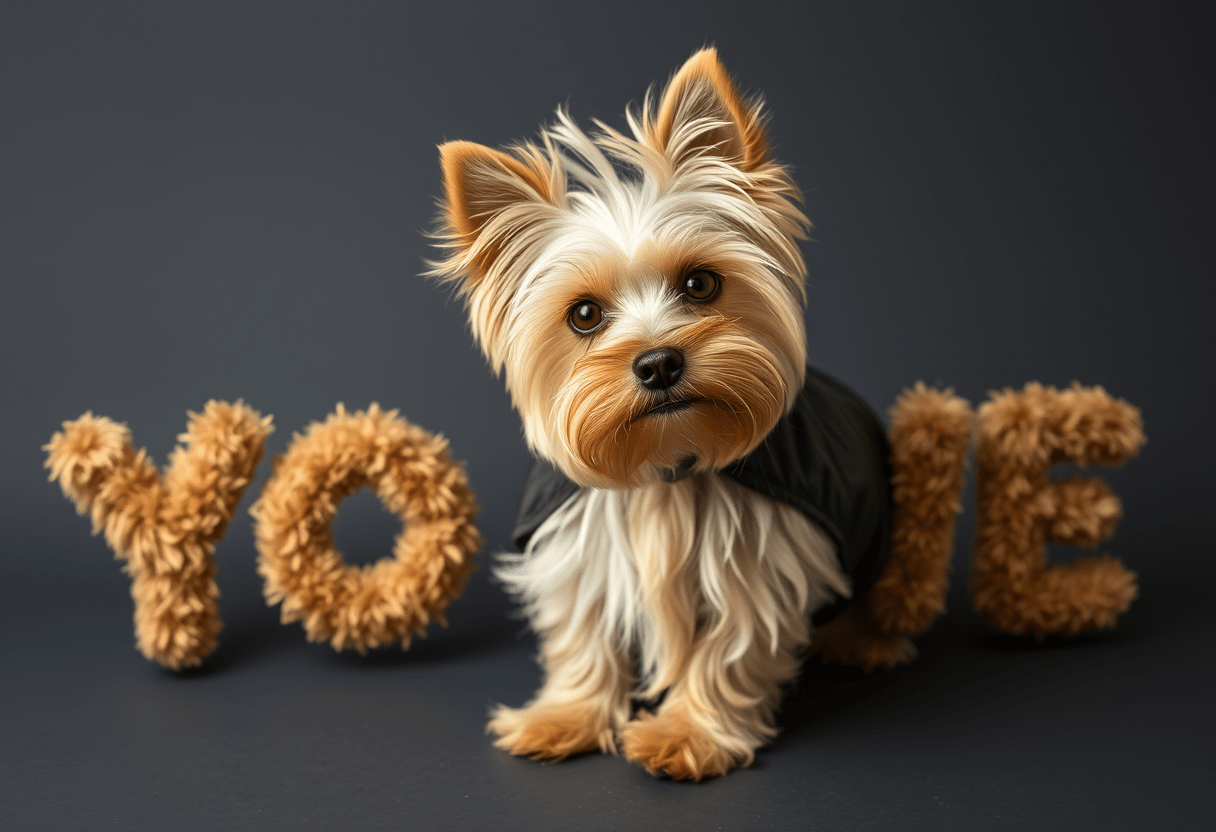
x: 411, y: 472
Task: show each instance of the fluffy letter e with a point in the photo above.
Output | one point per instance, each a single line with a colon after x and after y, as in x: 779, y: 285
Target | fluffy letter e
x: 1022, y: 434
x: 165, y: 528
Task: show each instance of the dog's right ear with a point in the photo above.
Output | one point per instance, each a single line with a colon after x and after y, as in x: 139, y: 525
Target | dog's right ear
x: 491, y: 199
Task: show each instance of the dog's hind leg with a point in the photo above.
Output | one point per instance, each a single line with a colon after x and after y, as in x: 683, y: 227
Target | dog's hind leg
x: 930, y: 435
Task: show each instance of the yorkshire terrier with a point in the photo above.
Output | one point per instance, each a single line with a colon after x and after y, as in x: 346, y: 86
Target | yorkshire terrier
x: 700, y: 496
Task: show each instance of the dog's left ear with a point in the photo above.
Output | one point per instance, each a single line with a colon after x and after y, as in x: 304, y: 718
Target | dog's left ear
x: 701, y: 111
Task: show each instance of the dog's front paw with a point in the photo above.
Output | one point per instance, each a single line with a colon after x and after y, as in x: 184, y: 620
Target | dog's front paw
x: 551, y: 732
x: 674, y: 745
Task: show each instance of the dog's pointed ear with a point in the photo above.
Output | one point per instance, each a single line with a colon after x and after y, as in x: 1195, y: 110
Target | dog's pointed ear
x: 480, y: 184
x: 494, y: 209
x: 701, y: 110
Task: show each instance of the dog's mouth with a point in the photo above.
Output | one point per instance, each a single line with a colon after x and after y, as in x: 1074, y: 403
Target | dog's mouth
x: 671, y: 406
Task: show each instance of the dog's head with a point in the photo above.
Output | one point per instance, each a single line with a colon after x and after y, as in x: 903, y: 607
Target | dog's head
x: 644, y: 293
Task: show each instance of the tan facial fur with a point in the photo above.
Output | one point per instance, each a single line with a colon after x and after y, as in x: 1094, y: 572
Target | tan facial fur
x: 620, y: 221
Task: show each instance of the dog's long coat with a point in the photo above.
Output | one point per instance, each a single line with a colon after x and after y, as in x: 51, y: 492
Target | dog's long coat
x: 828, y: 458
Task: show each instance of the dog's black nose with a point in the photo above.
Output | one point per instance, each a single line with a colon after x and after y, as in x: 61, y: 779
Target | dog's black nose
x: 659, y: 369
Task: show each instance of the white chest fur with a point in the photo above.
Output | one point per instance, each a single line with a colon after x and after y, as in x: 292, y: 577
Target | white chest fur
x: 651, y: 571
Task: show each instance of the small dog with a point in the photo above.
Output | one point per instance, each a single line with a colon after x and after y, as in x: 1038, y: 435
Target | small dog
x: 700, y: 494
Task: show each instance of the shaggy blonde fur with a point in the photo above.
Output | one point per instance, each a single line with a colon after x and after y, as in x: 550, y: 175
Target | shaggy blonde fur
x: 700, y: 588
x: 164, y: 527
x: 413, y: 475
x: 1022, y: 435
x: 620, y: 220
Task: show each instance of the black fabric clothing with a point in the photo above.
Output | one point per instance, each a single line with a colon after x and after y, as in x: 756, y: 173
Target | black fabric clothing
x: 829, y: 458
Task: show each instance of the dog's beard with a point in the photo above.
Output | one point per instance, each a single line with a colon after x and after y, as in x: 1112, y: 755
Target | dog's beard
x: 605, y: 430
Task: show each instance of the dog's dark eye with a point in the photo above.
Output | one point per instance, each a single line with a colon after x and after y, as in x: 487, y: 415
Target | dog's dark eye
x: 701, y: 285
x: 586, y: 317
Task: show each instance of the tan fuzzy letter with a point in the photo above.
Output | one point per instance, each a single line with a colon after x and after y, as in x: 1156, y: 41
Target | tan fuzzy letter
x: 1022, y: 434
x: 362, y: 607
x: 165, y: 528
x: 930, y: 437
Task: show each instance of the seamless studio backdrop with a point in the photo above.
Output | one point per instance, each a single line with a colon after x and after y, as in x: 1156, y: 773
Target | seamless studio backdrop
x: 229, y: 201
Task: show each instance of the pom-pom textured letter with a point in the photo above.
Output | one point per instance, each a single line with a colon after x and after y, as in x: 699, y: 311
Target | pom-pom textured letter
x: 411, y: 472
x: 930, y: 437
x: 165, y: 528
x: 1021, y: 436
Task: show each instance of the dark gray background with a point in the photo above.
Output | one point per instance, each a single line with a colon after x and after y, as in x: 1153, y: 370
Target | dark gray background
x: 226, y: 200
